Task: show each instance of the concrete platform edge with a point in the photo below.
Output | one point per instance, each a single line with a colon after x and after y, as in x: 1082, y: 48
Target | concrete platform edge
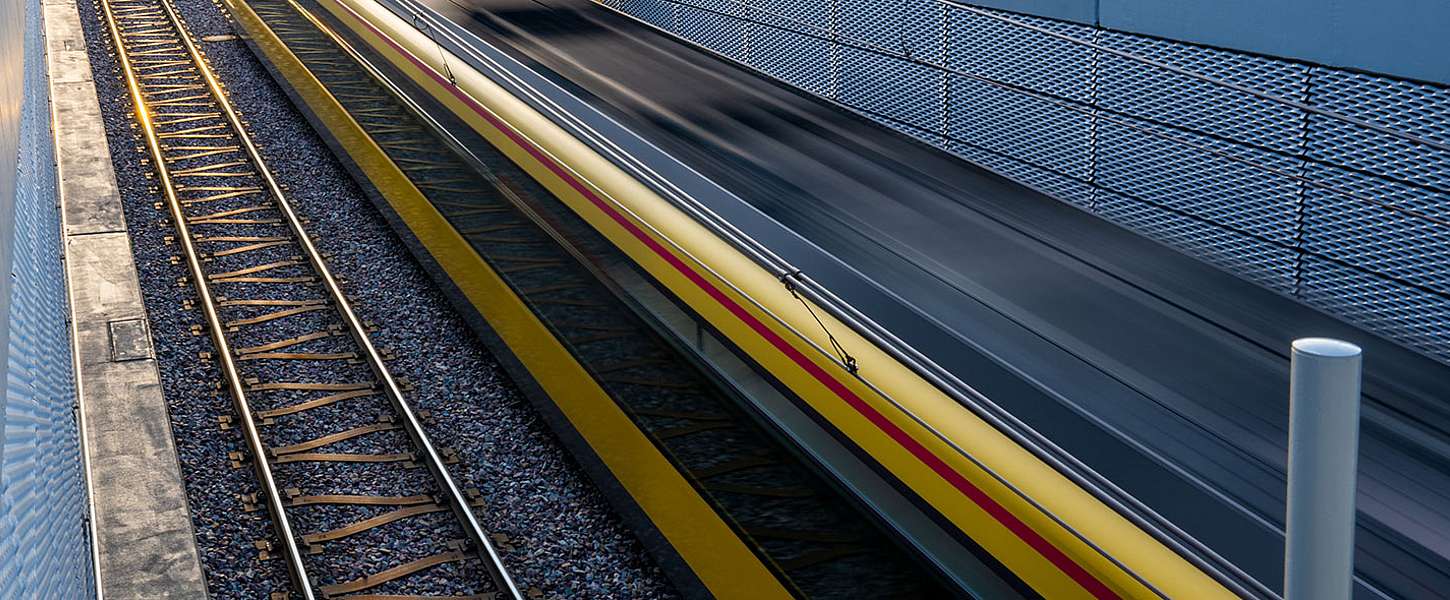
x: 143, y: 542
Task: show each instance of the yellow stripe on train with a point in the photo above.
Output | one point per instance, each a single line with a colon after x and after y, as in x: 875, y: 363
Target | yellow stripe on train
x: 577, y: 174
x: 724, y: 564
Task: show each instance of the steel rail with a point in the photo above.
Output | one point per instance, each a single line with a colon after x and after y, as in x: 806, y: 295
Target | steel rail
x: 411, y: 424
x: 280, y: 521
x: 433, y: 126
x: 432, y: 459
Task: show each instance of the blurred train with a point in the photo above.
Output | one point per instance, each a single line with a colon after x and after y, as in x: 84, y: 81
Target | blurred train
x: 1033, y: 400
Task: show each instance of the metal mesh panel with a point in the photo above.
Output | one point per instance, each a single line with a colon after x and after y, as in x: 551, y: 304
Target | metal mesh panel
x: 1163, y: 96
x: 905, y: 27
x: 1412, y: 316
x: 1419, y: 109
x: 901, y: 94
x: 796, y: 58
x: 714, y: 24
x: 1268, y: 265
x: 985, y: 118
x: 881, y: 71
x: 1210, y: 180
x: 44, y: 551
x: 1208, y: 150
x: 655, y: 12
x: 1212, y: 164
x: 1058, y: 185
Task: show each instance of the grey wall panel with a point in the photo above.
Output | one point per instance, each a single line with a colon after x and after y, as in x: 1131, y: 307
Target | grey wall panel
x: 1397, y: 37
x: 1081, y: 11
x: 44, y: 550
x: 12, y: 61
x: 1208, y: 150
x: 1405, y: 38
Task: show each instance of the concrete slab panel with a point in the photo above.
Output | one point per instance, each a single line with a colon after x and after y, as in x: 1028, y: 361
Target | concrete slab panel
x: 129, y: 340
x: 93, y: 203
x: 145, y: 544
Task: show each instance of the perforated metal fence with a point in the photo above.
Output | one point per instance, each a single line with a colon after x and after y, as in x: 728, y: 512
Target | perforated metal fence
x: 1322, y: 184
x: 44, y: 550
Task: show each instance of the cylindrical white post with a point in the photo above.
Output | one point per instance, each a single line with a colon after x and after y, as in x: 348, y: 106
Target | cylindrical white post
x: 1324, y: 384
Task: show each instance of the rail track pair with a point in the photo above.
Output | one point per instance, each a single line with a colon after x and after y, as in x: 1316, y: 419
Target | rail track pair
x: 333, y: 440
x: 565, y: 271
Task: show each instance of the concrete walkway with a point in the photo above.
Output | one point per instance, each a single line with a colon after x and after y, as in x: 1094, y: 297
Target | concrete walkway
x: 145, y: 545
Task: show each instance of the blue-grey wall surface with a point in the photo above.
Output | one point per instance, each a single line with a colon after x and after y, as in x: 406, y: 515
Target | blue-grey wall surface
x: 1405, y: 38
x: 1322, y: 183
x: 44, y: 550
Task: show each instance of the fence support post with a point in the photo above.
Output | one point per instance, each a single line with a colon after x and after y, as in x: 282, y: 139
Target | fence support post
x: 1324, y: 392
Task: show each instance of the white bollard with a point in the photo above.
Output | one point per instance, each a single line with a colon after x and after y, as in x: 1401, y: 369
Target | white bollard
x: 1324, y: 384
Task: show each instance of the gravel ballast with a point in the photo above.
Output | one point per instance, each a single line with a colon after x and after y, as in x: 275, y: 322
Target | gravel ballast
x: 564, y: 539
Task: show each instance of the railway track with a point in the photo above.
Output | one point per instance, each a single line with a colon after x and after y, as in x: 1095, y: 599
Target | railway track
x: 362, y: 502
x: 553, y: 261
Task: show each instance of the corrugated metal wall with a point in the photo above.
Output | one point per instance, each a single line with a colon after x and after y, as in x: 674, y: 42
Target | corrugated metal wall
x: 1344, y: 204
x: 44, y: 550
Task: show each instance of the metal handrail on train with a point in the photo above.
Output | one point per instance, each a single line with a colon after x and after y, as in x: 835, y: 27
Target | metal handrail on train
x: 1143, y: 517
x: 1102, y: 487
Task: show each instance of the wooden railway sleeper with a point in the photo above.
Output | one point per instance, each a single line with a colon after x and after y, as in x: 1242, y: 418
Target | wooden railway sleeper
x: 626, y: 365
x: 253, y: 385
x: 218, y: 239
x: 287, y: 343
x: 483, y: 596
x: 272, y: 222
x: 247, y: 248
x: 668, y: 433
x: 408, y: 459
x: 597, y: 337
x: 528, y: 265
x: 654, y: 383
x: 225, y: 301
x: 383, y: 424
x: 267, y: 416
x: 818, y: 556
x: 456, y: 553
x: 212, y: 170
x: 314, y: 541
x: 273, y: 316
x: 186, y: 117
x: 492, y: 228
x: 291, y: 262
x: 226, y: 193
x: 199, y: 152
x: 350, y: 357
x: 229, y: 213
x: 735, y: 465
x: 305, y: 279
x: 678, y: 414
x: 295, y: 497
x: 757, y: 490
